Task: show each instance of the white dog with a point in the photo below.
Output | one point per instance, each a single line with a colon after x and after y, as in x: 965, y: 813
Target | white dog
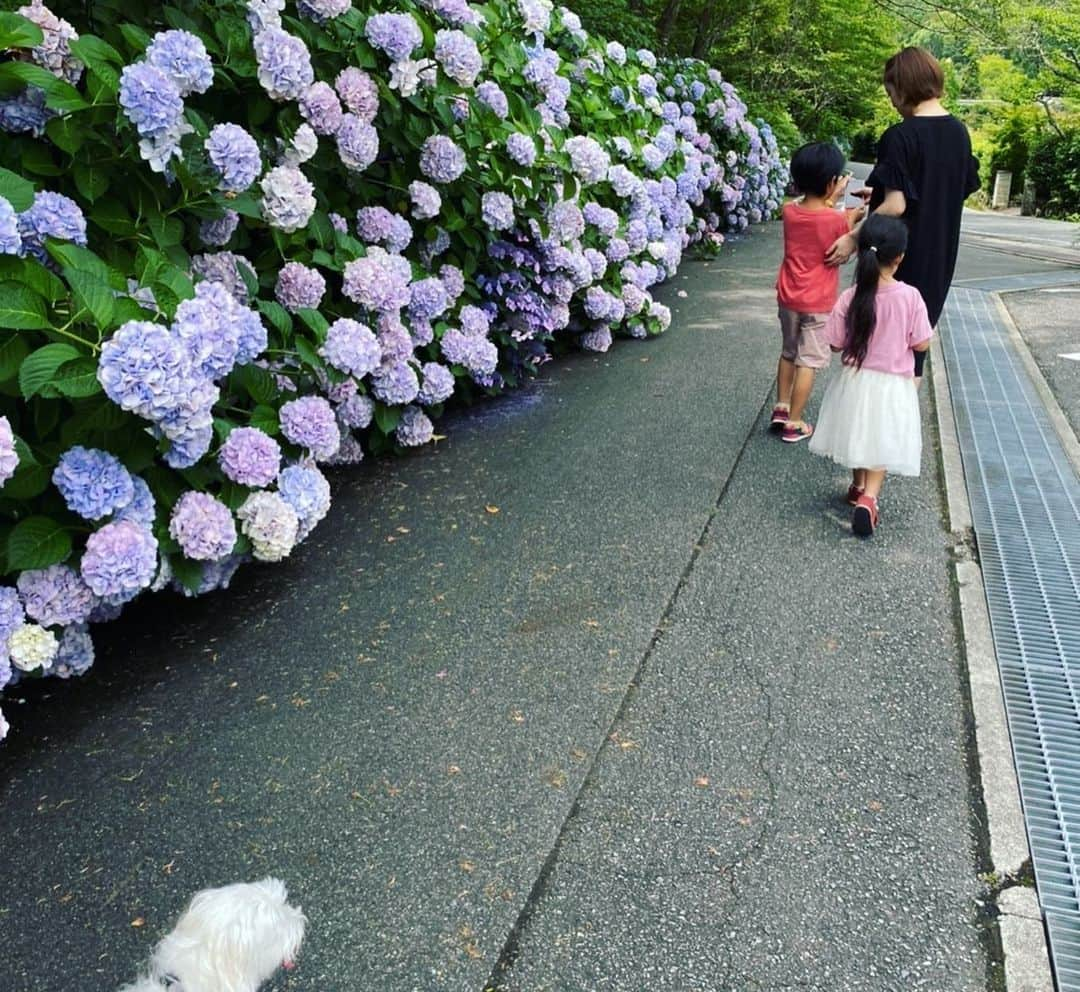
x: 230, y: 939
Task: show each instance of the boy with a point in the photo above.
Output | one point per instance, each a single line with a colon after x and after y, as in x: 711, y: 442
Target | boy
x: 806, y: 289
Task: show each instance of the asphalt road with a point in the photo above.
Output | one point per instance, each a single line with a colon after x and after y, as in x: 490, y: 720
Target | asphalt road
x: 599, y: 694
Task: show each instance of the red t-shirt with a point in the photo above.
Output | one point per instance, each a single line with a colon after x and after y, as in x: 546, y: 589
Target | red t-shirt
x: 805, y: 283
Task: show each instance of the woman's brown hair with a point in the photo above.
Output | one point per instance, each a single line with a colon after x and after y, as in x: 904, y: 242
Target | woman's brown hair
x: 914, y: 75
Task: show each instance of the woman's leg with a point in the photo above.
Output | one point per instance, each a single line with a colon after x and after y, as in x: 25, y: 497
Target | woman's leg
x: 874, y: 479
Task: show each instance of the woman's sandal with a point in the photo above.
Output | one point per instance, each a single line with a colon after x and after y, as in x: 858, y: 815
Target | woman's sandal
x: 866, y: 516
x: 853, y: 494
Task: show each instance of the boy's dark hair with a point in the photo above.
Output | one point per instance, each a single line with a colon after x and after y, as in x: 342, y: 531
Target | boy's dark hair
x: 815, y: 165
x: 882, y: 240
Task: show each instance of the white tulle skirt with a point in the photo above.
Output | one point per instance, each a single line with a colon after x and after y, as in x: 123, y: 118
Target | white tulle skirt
x: 870, y: 419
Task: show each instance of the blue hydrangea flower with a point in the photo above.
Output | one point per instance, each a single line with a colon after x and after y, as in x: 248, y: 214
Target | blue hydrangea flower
x: 453, y: 279
x: 92, y: 482
x: 25, y: 112
x: 120, y: 560
x: 357, y: 143
x: 497, y: 211
x: 55, y: 596
x: 306, y: 490
x: 235, y: 155
x: 52, y: 215
x: 458, y: 55
x: 284, y: 64
x: 250, y: 457
x: 151, y: 100
x: 142, y: 368
x: 321, y: 11
x: 521, y: 148
x: 182, y: 57
x: 393, y: 33
x: 204, y: 324
x: 396, y: 384
x: 203, y: 527
x: 474, y: 320
x: 426, y: 200
x: 438, y: 384
x: 310, y: 423
x: 75, y: 653
x: 10, y: 240
x: 355, y: 412
x: 441, y: 160
x: 351, y: 347
x: 219, y: 231
x: 414, y: 428
x: 379, y: 281
x: 492, y: 97
x: 428, y: 298
x: 142, y: 509
x: 472, y: 351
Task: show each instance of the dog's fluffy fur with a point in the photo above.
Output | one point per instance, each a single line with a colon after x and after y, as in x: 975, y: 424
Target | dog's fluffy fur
x: 230, y: 939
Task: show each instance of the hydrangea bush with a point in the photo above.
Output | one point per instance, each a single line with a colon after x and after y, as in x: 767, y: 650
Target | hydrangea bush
x: 239, y: 241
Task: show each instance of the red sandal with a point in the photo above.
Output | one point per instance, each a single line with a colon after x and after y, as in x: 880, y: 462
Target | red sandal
x: 853, y: 494
x: 866, y: 516
x: 779, y: 418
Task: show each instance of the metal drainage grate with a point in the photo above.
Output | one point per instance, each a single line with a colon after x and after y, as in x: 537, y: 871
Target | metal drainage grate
x: 1025, y: 505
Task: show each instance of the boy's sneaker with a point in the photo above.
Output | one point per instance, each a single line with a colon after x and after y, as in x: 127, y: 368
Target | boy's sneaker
x: 779, y: 418
x: 796, y: 430
x: 853, y: 494
x: 866, y: 516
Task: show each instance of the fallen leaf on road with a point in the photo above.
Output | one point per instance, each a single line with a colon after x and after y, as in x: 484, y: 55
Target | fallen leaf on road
x: 467, y: 866
x: 403, y: 530
x: 702, y: 782
x: 138, y: 922
x: 875, y: 806
x: 491, y: 509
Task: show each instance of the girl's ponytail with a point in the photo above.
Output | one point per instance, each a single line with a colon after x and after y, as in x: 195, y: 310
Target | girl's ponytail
x: 882, y: 240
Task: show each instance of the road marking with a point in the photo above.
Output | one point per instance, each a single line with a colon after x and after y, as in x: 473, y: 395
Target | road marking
x: 1074, y: 357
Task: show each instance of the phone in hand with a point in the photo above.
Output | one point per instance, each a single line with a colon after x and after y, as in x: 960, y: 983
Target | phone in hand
x: 856, y: 195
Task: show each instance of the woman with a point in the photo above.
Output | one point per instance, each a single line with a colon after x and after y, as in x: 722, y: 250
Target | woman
x: 924, y: 172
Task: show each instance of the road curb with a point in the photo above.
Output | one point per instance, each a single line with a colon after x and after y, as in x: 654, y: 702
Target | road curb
x: 1023, y: 938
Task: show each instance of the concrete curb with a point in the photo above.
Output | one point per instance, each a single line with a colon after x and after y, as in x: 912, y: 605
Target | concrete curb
x: 1023, y: 938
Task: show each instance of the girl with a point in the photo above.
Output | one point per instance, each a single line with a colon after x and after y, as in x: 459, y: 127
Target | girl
x: 869, y: 420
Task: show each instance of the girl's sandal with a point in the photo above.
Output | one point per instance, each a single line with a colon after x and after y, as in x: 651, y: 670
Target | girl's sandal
x: 866, y: 516
x: 853, y: 494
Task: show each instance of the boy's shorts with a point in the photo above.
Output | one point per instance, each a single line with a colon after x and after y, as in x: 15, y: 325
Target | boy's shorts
x: 804, y: 338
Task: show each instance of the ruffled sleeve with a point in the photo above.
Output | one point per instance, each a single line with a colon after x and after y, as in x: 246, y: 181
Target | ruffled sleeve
x: 892, y: 169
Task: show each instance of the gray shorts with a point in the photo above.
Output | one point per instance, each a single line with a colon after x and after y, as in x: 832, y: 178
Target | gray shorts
x: 804, y: 338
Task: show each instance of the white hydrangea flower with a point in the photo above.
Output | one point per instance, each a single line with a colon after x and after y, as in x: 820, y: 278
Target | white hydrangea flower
x: 32, y: 646
x: 270, y: 524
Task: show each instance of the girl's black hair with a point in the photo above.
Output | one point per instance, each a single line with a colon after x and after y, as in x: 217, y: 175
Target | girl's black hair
x: 882, y: 240
x: 815, y: 165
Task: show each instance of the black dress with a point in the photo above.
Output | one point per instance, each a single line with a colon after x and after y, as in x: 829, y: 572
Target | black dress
x: 929, y: 160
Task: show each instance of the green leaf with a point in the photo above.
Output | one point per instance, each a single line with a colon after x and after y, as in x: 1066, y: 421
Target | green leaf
x: 387, y: 417
x: 138, y: 40
x: 245, y: 205
x: 66, y: 134
x: 175, y: 278
x: 78, y: 378
x: 40, y: 366
x: 318, y: 324
x: 18, y: 32
x: 92, y: 294
x: 166, y: 231
x: 12, y: 353
x: 266, y: 419
x: 80, y: 259
x: 42, y: 281
x: 91, y: 179
x: 29, y: 481
x: 16, y: 75
x: 187, y: 572
x: 17, y: 191
x: 306, y: 350
x: 37, y: 542
x: 256, y: 382
x: 278, y: 316
x: 36, y: 158
x: 21, y: 308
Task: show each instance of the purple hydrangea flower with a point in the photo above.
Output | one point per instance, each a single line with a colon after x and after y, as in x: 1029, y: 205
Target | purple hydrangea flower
x: 74, y: 654
x: 142, y: 509
x: 521, y: 148
x: 492, y: 96
x: 356, y: 412
x: 438, y: 384
x: 453, y: 279
x: 52, y: 215
x: 598, y: 339
x: 373, y: 224
x: 263, y: 14
x: 497, y: 211
x: 321, y: 11
x: 357, y: 143
x: 215, y: 575
x: 395, y: 34
x: 458, y: 55
x: 203, y: 527
x: 235, y: 155
x: 271, y: 525
x: 310, y: 423
x: 320, y: 107
x: 219, y: 231
x: 55, y: 596
x: 205, y: 325
x: 299, y: 287
x: 414, y: 428
x: 10, y: 240
x: 284, y: 64
x: 306, y: 490
x: 250, y: 457
x: 288, y: 198
x: 474, y: 320
x: 11, y: 616
x: 428, y: 299
x: 400, y: 234
x: 589, y: 161
x: 358, y: 92
x: 119, y: 560
x: 441, y: 160
x: 92, y: 482
x: 426, y: 200
x: 396, y: 384
x: 54, y: 52
x: 472, y: 351
x: 339, y: 223
x: 182, y: 57
x: 616, y: 53
x: 379, y: 281
x: 9, y: 457
x: 25, y: 112
x: 351, y: 347
x: 151, y: 100
x: 567, y: 222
